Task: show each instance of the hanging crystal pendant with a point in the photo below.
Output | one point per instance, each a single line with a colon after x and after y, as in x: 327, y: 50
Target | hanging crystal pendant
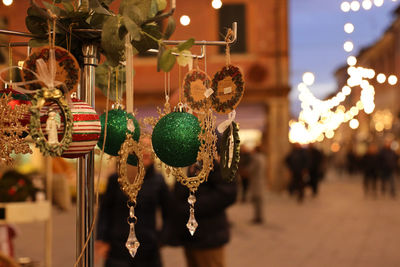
x: 231, y: 148
x: 132, y: 244
x: 192, y: 223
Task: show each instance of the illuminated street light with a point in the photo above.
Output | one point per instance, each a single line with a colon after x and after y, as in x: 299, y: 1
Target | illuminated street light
x: 378, y: 3
x: 381, y: 78
x: 7, y: 2
x: 348, y: 27
x: 216, y: 4
x: 185, y: 20
x: 355, y: 6
x: 308, y: 78
x: 345, y: 6
x: 348, y: 46
x: 392, y: 80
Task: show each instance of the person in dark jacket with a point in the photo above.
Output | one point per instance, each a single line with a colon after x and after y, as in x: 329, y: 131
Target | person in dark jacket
x: 370, y: 162
x: 206, y: 247
x: 297, y: 162
x: 315, y: 167
x: 113, y: 229
x: 388, y: 165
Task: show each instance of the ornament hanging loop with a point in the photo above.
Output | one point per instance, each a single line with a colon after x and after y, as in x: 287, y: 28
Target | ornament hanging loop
x: 228, y: 38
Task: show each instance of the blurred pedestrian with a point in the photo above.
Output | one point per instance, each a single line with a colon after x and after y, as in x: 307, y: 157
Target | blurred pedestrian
x: 206, y: 248
x: 257, y: 174
x: 113, y: 229
x: 315, y: 167
x: 297, y: 162
x: 370, y: 168
x: 244, y: 178
x: 351, y: 161
x: 388, y: 165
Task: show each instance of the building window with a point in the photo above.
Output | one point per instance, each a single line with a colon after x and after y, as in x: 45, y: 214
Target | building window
x: 228, y: 14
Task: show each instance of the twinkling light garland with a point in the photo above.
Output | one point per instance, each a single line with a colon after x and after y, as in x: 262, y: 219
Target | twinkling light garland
x: 319, y: 119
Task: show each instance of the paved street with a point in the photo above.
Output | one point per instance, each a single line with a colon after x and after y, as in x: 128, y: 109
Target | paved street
x: 341, y: 227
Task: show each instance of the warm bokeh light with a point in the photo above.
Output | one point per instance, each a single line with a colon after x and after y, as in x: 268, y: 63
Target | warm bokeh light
x: 367, y: 4
x: 348, y: 28
x: 355, y: 5
x: 335, y: 147
x: 354, y: 124
x: 348, y: 46
x: 378, y: 3
x: 308, y: 78
x: 346, y: 90
x: 216, y: 4
x: 345, y: 6
x: 392, y: 80
x: 351, y: 60
x: 322, y: 118
x: 329, y: 134
x: 7, y: 2
x: 381, y: 78
x: 185, y: 20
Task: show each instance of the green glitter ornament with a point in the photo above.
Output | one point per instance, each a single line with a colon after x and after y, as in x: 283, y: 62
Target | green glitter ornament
x: 117, y: 129
x: 175, y: 139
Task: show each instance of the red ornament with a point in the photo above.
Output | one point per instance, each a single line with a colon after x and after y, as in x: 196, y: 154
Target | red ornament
x: 12, y: 191
x: 86, y: 129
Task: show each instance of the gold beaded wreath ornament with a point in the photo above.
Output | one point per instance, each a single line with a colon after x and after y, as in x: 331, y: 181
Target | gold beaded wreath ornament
x: 39, y: 100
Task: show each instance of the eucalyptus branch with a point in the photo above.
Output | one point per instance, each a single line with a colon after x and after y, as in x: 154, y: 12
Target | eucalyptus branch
x: 151, y: 37
x: 159, y: 17
x: 47, y: 16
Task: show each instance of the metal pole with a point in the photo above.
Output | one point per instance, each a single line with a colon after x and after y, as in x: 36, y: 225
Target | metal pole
x: 49, y: 221
x: 85, y: 165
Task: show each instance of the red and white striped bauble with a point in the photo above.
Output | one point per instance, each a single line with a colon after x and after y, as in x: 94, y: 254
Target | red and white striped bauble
x: 86, y: 129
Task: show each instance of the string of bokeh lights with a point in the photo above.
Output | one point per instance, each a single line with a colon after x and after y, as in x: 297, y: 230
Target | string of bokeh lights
x: 319, y: 119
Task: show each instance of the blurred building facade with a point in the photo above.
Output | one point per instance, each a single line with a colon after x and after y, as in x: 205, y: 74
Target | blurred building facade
x: 261, y: 52
x: 383, y: 57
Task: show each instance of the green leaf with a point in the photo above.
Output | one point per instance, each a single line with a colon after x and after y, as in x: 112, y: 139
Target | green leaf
x: 38, y: 42
x: 68, y: 6
x: 132, y: 27
x: 55, y: 9
x: 96, y: 20
x: 161, y: 4
x: 153, y: 8
x: 36, y: 25
x: 169, y: 30
x: 33, y: 11
x: 102, y: 79
x: 110, y: 40
x: 146, y: 42
x: 167, y: 60
x: 136, y: 10
x: 186, y: 45
x: 98, y: 8
x: 184, y: 58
